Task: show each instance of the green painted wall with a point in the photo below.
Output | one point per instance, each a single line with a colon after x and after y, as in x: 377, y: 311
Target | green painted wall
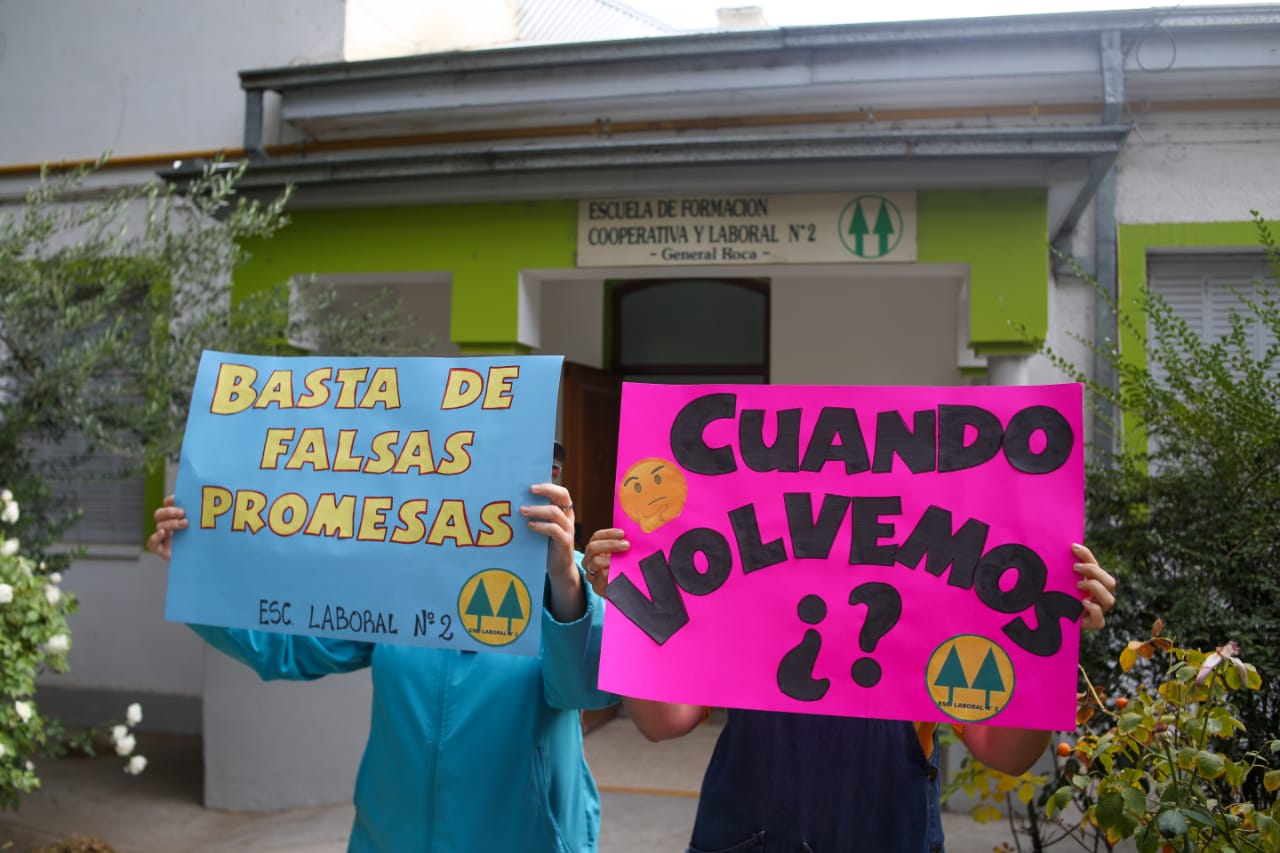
x: 484, y: 246
x: 1003, y: 235
x: 1134, y: 243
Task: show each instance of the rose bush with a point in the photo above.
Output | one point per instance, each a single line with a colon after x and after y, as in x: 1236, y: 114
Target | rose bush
x: 34, y: 638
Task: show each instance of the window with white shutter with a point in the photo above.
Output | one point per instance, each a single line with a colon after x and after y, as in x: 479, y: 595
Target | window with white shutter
x: 113, y: 506
x: 1204, y: 290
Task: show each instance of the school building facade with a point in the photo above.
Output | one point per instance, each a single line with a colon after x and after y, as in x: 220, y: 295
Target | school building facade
x: 905, y: 203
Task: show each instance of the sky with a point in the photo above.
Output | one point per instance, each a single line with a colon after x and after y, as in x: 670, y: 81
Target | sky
x: 701, y: 14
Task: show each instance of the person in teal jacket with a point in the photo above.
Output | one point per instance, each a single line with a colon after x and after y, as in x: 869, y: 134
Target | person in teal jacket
x: 467, y: 752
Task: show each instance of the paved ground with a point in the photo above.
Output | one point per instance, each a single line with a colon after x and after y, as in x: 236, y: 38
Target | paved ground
x: 648, y: 792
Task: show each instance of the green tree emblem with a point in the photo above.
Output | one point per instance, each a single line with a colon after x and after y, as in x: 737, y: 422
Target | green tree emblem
x: 480, y: 606
x: 510, y: 607
x: 858, y: 228
x: 883, y: 227
x: 988, y: 677
x: 870, y: 236
x: 952, y: 675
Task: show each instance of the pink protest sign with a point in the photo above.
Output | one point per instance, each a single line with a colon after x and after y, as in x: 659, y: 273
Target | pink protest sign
x: 891, y: 552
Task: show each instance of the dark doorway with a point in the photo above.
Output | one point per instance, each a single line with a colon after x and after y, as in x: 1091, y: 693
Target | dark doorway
x: 589, y: 431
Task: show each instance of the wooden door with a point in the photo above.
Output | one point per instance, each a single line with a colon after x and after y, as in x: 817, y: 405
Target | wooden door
x: 591, y: 400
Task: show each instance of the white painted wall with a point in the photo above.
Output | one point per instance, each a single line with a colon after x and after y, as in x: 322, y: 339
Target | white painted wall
x: 139, y: 77
x: 280, y: 744
x: 859, y: 328
x: 573, y: 320
x: 1071, y: 312
x: 120, y: 641
x: 1212, y: 167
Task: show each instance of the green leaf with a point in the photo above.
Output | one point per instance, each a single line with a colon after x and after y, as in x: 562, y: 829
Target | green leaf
x: 1110, y: 809
x: 1198, y: 814
x: 1210, y: 765
x: 1129, y: 722
x: 1135, y: 801
x: 1269, y: 829
x: 1059, y: 800
x: 1171, y: 823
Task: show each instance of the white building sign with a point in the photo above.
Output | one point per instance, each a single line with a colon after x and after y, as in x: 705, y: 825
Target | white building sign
x: 818, y: 228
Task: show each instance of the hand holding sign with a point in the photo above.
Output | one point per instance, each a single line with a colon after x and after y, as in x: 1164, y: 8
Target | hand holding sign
x: 555, y: 521
x: 1098, y: 586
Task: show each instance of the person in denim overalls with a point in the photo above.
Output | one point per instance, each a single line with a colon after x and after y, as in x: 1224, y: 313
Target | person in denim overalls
x: 806, y: 783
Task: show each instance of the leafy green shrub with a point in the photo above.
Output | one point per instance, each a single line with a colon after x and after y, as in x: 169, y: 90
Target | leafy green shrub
x: 1187, y: 521
x: 108, y: 303
x: 1156, y: 767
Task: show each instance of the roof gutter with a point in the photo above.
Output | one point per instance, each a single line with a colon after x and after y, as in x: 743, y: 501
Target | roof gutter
x: 523, y: 156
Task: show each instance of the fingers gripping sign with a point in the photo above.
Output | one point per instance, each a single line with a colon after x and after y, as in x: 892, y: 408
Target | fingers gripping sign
x: 169, y: 520
x: 555, y: 521
x: 598, y: 556
x: 1098, y: 586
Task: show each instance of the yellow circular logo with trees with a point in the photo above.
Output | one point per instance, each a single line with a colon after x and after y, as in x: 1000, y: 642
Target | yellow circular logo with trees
x: 494, y: 607
x: 970, y: 678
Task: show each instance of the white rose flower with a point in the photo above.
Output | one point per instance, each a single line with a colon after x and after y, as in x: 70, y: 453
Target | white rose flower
x: 31, y: 766
x: 56, y: 577
x: 6, y: 593
x: 10, y: 547
x: 6, y: 495
x: 2, y: 750
x: 53, y: 594
x: 133, y: 714
x: 136, y: 765
x: 9, y: 515
x: 119, y: 732
x: 125, y: 745
x: 58, y: 644
x: 23, y: 709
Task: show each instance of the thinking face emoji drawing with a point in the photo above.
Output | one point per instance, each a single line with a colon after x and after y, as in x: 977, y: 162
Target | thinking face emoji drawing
x: 652, y: 492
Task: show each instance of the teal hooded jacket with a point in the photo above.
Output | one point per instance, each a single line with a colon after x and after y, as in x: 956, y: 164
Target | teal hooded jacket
x: 467, y: 752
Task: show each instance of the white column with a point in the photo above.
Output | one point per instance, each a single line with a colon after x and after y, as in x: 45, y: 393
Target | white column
x: 280, y: 744
x: 1009, y: 370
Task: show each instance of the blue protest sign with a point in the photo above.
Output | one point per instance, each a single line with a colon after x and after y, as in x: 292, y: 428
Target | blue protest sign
x: 366, y: 498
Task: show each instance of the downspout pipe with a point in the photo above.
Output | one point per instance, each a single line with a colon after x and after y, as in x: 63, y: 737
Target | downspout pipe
x: 1111, y: 61
x: 1106, y: 328
x: 1100, y: 189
